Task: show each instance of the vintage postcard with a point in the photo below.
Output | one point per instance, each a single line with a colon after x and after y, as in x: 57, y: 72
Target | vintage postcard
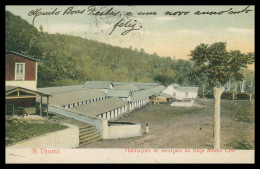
x: 130, y: 84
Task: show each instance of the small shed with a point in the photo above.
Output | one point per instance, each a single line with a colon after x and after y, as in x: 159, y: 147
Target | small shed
x: 19, y: 97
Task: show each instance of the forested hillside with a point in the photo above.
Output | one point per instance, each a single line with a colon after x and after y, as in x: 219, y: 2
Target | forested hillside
x: 67, y: 60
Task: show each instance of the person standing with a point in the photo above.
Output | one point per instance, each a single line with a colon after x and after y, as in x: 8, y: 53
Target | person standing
x: 147, y: 128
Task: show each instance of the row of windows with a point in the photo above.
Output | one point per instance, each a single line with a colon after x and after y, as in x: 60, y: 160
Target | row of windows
x: 83, y: 102
x: 138, y: 103
x: 113, y: 114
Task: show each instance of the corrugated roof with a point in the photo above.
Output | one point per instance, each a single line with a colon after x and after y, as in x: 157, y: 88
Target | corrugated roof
x: 175, y: 85
x: 118, y: 93
x: 135, y: 83
x: 144, y: 87
x: 9, y: 88
x: 127, y: 86
x: 147, y: 93
x: 119, y: 83
x: 61, y: 89
x: 187, y: 89
x: 27, y: 57
x: 144, y: 84
x: 98, y: 84
x: 65, y: 98
x: 99, y: 107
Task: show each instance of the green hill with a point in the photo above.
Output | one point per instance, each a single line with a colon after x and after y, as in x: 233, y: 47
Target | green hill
x: 69, y: 59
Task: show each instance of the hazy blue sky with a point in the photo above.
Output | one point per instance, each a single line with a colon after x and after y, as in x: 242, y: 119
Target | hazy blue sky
x: 172, y: 36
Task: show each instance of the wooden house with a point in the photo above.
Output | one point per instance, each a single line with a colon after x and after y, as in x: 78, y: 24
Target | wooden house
x: 20, y: 70
x: 21, y: 83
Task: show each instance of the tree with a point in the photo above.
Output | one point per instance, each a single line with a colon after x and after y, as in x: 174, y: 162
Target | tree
x: 219, y: 65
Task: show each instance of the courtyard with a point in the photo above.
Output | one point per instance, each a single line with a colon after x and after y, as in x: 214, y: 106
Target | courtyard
x: 190, y: 127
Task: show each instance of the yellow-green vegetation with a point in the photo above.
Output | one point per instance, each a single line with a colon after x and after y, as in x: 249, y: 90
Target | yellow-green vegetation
x: 18, y: 129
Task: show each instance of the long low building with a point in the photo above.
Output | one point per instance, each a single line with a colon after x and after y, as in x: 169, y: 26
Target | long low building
x: 60, y: 89
x: 74, y: 98
x: 109, y: 108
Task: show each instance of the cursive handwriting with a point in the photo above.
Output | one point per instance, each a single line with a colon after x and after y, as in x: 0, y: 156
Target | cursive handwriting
x: 229, y: 11
x: 38, y: 12
x: 93, y: 11
x: 127, y: 24
x: 71, y: 11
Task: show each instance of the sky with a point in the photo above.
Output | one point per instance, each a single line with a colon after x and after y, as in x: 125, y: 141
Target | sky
x: 167, y: 35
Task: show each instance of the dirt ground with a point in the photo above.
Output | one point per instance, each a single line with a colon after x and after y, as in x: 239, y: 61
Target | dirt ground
x: 178, y: 127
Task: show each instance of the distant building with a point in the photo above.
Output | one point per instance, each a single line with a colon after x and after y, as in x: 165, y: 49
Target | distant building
x: 180, y: 93
x: 131, y: 87
x: 125, y: 95
x: 142, y: 97
x: 101, y: 85
x: 139, y: 85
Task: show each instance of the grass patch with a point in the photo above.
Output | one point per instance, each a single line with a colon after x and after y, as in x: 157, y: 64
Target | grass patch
x: 18, y: 129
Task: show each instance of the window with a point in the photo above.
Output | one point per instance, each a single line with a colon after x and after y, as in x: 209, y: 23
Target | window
x: 19, y: 71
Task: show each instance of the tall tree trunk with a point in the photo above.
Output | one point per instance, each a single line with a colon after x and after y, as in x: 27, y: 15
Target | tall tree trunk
x: 217, y: 95
x: 242, y: 86
x: 228, y: 86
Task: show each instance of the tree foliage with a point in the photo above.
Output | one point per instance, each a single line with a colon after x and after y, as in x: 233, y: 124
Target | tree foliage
x: 218, y: 64
x: 66, y: 59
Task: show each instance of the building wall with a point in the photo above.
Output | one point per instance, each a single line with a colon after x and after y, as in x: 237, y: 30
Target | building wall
x: 182, y: 104
x: 124, y: 131
x: 169, y: 90
x: 182, y: 95
x: 29, y: 84
x: 25, y: 102
x: 106, y: 132
x: 100, y: 124
x: 66, y: 138
x: 30, y: 67
x: 30, y: 81
x: 139, y: 103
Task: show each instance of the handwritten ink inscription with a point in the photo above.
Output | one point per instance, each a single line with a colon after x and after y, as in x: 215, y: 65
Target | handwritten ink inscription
x: 130, y: 24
